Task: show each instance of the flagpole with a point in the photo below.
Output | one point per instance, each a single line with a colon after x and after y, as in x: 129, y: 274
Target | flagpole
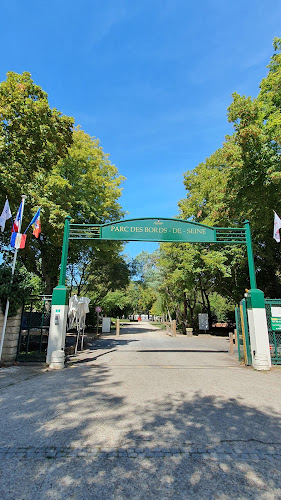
x: 13, y: 271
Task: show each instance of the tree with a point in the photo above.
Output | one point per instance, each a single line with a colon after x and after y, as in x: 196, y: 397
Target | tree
x: 209, y: 201
x: 146, y: 269
x: 256, y: 183
x: 241, y: 181
x: 100, y: 269
x: 18, y: 289
x: 191, y: 273
x: 84, y: 185
x: 64, y: 172
x: 33, y: 137
x: 115, y: 303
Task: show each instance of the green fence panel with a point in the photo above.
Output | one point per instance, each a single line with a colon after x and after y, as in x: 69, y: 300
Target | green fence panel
x: 273, y: 331
x: 243, y: 337
x: 239, y: 334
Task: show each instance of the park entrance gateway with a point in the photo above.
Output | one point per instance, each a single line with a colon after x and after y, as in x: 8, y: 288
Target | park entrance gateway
x: 162, y: 230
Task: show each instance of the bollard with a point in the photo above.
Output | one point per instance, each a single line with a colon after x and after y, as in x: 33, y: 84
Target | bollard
x: 236, y: 338
x: 118, y: 327
x: 174, y: 328
x: 57, y: 360
x: 231, y: 345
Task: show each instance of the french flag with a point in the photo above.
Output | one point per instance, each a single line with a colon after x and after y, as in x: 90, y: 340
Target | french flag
x: 17, y: 220
x: 18, y: 240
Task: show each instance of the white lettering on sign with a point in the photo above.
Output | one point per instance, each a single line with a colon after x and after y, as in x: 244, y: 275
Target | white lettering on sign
x: 159, y: 230
x: 196, y: 230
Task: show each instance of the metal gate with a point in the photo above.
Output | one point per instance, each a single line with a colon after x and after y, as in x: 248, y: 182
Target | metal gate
x: 274, y: 329
x: 243, y: 337
x: 34, y: 329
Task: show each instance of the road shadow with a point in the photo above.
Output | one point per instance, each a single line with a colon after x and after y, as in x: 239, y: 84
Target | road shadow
x: 138, y: 329
x: 204, y: 423
x: 211, y: 351
x: 110, y: 343
x: 83, y: 406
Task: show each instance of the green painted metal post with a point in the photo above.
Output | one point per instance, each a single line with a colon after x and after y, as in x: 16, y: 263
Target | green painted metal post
x: 251, y: 264
x: 246, y: 330
x: 64, y: 251
x: 238, y: 328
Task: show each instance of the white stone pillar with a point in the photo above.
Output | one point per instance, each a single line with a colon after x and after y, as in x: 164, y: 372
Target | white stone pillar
x: 57, y: 332
x: 261, y: 359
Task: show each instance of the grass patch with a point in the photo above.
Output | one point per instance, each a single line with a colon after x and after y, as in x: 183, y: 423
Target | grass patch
x: 160, y: 325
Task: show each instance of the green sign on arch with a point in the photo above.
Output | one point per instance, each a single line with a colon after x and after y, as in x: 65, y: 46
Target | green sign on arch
x: 159, y: 230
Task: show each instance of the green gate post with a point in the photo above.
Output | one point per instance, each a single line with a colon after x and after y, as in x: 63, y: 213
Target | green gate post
x: 64, y: 251
x: 59, y: 309
x: 248, y: 361
x: 256, y: 314
x: 251, y: 264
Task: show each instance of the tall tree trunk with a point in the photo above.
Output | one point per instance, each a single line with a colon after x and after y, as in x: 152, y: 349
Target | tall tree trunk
x: 185, y: 306
x: 191, y: 306
x: 178, y: 312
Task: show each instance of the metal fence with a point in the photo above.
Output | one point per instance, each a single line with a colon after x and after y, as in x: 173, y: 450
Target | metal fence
x: 243, y: 337
x: 239, y: 334
x: 274, y: 334
x: 34, y: 329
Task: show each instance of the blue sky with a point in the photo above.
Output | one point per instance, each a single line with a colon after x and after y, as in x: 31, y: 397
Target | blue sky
x: 151, y: 79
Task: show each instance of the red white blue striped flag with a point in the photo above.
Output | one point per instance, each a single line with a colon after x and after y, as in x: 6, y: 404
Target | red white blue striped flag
x: 17, y: 220
x: 18, y: 240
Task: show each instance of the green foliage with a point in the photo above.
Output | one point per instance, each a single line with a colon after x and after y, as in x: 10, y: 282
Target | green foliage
x: 146, y: 288
x: 191, y: 272
x: 32, y: 135
x: 222, y: 308
x: 145, y: 268
x: 98, y: 271
x: 158, y: 307
x: 115, y: 303
x: 18, y: 289
x: 64, y: 172
x: 242, y: 180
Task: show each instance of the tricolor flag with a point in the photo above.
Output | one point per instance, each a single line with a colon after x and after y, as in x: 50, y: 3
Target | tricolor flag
x: 18, y: 240
x: 17, y: 220
x: 6, y: 214
x: 36, y: 224
x: 277, y: 226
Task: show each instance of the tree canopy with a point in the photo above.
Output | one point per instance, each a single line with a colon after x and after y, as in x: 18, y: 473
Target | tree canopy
x: 239, y: 181
x: 65, y: 171
x: 242, y: 179
x: 60, y: 169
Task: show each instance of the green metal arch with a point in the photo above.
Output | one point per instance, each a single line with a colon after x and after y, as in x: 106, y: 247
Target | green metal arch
x: 158, y: 229
x: 155, y: 218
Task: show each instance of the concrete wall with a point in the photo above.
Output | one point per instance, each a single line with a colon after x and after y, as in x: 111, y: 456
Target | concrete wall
x: 10, y: 345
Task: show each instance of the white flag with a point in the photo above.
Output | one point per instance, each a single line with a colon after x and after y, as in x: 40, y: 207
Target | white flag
x: 277, y: 226
x: 6, y: 214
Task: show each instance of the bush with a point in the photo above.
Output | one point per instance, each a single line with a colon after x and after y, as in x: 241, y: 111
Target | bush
x: 18, y: 289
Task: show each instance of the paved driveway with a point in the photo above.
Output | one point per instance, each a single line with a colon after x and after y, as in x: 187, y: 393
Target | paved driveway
x: 143, y: 415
